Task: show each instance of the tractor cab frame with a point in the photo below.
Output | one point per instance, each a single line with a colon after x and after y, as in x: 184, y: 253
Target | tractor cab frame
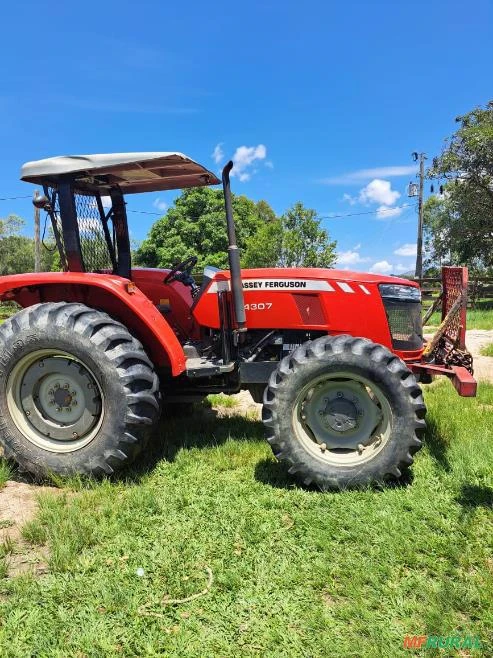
x: 85, y: 198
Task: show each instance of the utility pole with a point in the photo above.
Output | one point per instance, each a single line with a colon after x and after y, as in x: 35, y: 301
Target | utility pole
x: 419, y: 193
x: 37, y: 240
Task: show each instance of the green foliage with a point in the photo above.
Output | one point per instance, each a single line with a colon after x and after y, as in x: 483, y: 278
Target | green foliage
x: 487, y: 350
x: 17, y: 251
x: 264, y: 248
x: 459, y: 224
x: 304, y: 242
x: 293, y: 240
x: 196, y: 225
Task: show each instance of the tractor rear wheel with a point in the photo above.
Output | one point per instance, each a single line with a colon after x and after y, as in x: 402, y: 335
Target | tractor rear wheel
x: 343, y: 412
x: 78, y: 394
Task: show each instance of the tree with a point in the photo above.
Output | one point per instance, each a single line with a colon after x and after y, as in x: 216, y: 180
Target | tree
x: 459, y: 223
x: 293, y: 240
x: 17, y: 251
x: 304, y: 242
x: 196, y: 225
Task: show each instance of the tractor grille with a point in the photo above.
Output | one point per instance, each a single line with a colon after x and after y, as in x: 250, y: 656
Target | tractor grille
x: 404, y: 319
x: 310, y: 309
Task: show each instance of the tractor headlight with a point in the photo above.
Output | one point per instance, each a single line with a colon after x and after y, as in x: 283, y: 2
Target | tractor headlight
x: 394, y: 291
x: 403, y: 308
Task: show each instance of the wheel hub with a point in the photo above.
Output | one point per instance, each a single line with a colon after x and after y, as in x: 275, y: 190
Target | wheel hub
x: 56, y: 401
x: 341, y: 414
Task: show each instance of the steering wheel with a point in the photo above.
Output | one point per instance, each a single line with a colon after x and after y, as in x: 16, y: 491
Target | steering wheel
x: 181, y: 271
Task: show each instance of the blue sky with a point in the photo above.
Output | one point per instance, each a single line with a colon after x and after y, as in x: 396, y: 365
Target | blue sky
x: 321, y: 102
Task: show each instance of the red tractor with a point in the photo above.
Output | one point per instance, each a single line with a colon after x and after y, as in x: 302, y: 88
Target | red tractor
x: 335, y: 357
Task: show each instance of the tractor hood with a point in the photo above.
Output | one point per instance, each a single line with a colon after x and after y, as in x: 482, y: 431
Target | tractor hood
x: 321, y: 273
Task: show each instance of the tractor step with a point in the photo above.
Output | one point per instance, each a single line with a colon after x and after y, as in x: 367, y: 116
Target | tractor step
x: 204, y: 367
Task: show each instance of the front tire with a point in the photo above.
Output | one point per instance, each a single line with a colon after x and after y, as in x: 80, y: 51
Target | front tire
x: 343, y: 412
x: 78, y: 394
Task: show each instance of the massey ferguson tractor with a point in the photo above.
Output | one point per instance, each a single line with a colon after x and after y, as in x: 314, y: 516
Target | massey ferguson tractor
x: 335, y: 357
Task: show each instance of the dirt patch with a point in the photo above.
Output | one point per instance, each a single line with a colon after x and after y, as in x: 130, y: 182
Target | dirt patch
x: 243, y: 406
x: 476, y: 339
x: 18, y: 505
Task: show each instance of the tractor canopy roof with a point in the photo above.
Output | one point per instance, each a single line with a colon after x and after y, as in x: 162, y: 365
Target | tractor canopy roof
x: 130, y: 172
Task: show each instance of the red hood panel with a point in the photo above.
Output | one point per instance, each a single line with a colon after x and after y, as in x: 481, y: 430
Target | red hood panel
x: 318, y: 273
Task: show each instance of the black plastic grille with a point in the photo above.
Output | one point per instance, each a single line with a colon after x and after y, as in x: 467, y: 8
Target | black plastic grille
x: 405, y: 324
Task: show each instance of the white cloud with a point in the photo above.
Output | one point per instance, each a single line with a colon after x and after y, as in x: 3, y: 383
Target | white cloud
x: 351, y: 257
x: 384, y: 212
x: 408, y: 249
x: 269, y: 164
x: 401, y: 268
x: 381, y: 267
x: 160, y: 204
x: 359, y: 176
x: 350, y: 199
x: 243, y: 159
x: 379, y: 191
x: 217, y: 154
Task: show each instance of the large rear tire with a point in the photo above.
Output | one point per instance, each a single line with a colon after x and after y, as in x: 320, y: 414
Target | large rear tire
x: 78, y: 394
x: 343, y: 412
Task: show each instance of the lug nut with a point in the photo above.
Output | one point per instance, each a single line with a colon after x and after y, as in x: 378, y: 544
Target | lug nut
x: 75, y: 435
x: 361, y: 447
x: 41, y: 364
x: 323, y: 447
x: 339, y: 394
x: 74, y: 403
x: 58, y: 409
x: 51, y: 392
x: 66, y: 387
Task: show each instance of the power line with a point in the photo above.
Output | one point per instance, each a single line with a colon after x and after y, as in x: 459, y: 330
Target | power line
x: 369, y: 212
x: 349, y: 214
x: 145, y: 212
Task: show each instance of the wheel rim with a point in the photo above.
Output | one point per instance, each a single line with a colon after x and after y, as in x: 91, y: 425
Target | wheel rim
x: 55, y: 400
x: 342, y: 419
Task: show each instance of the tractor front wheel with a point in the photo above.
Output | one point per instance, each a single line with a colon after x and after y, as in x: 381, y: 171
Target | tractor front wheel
x: 343, y: 412
x: 78, y: 394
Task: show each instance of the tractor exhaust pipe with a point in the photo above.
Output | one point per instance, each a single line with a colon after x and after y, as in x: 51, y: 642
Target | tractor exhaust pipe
x: 233, y: 253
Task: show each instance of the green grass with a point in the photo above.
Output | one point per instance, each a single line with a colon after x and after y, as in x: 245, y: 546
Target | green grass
x: 480, y: 317
x: 222, y: 400
x: 5, y: 472
x: 295, y: 572
x: 7, y: 309
x: 487, y: 350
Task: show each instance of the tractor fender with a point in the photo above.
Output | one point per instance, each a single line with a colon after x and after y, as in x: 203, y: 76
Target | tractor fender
x: 117, y: 296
